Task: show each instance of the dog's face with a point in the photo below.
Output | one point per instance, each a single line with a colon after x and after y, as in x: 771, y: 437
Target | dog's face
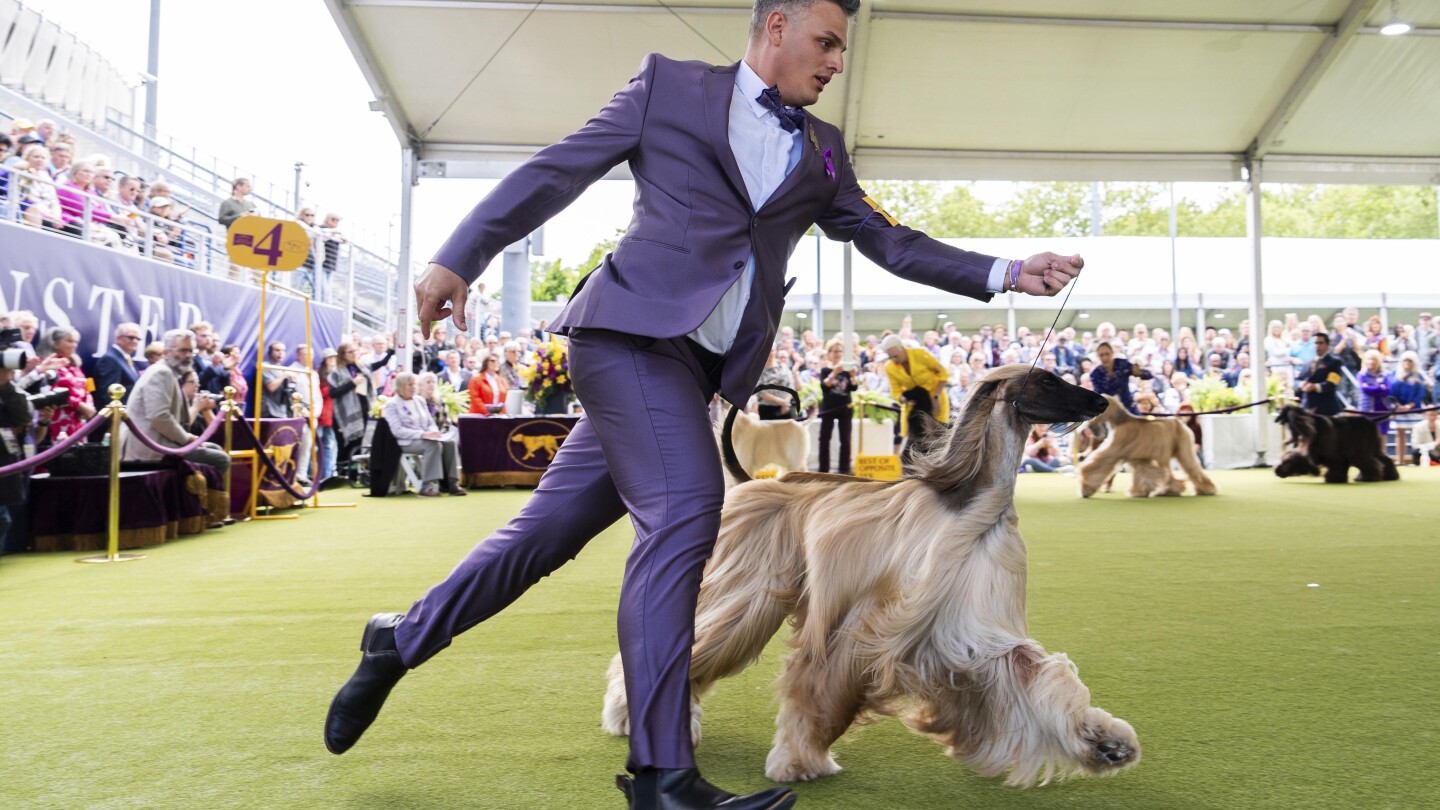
x: 1295, y: 463
x: 1042, y: 398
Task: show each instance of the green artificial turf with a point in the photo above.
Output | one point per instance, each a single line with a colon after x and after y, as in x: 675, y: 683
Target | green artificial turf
x: 199, y: 677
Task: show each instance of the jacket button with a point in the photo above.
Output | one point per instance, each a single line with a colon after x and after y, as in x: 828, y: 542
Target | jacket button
x: 738, y: 265
x: 755, y: 223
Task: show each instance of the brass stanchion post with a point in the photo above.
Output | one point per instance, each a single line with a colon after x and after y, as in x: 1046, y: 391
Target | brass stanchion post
x: 229, y: 408
x: 116, y: 411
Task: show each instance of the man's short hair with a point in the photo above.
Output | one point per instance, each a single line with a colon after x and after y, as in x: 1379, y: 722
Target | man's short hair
x: 512, y: 346
x: 202, y: 326
x: 173, y: 337
x: 129, y: 327
x: 792, y: 8
x: 236, y: 185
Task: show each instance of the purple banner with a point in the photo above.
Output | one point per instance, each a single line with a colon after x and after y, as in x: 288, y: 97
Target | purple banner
x: 66, y: 282
x: 497, y: 450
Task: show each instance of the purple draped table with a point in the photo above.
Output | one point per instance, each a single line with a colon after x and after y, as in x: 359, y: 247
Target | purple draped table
x: 282, y: 438
x: 500, y: 451
x: 69, y: 513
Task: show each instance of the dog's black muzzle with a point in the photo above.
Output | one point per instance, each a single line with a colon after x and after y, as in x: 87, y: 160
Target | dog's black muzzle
x: 1047, y: 399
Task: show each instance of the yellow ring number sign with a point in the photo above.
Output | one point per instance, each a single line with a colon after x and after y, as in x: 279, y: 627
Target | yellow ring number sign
x: 267, y: 244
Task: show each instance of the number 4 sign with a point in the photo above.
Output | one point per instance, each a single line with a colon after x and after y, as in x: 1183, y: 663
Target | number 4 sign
x: 267, y: 244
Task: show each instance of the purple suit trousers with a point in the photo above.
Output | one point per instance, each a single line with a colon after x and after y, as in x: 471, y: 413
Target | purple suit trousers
x: 645, y: 446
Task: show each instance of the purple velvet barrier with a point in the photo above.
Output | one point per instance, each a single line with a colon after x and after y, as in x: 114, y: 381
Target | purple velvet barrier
x: 499, y: 451
x: 70, y: 514
x: 174, y: 451
x: 280, y: 435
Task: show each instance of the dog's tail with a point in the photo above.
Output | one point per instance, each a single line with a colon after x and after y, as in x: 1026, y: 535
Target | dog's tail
x: 727, y: 444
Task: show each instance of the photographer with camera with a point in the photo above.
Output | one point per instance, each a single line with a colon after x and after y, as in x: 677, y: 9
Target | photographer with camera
x: 276, y: 401
x: 58, y: 345
x: 15, y: 417
x: 18, y: 412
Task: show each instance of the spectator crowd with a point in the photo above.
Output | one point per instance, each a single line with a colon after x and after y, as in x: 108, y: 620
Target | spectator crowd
x: 45, y: 184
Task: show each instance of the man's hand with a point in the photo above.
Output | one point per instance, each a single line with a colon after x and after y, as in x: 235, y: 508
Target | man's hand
x: 1048, y: 273
x: 430, y: 434
x: 440, y: 294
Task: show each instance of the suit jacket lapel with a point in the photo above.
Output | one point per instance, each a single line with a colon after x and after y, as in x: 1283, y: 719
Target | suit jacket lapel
x: 719, y: 86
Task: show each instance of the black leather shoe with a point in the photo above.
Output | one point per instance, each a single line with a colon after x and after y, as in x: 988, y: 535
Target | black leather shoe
x: 683, y: 789
x: 358, y: 702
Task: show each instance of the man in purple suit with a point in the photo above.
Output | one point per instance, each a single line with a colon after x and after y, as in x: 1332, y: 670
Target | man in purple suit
x: 729, y: 174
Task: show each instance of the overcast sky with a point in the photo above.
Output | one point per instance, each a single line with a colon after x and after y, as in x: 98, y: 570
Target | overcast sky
x: 267, y: 83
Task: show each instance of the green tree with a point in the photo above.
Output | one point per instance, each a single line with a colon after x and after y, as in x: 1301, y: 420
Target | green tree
x: 1047, y: 209
x: 549, y: 280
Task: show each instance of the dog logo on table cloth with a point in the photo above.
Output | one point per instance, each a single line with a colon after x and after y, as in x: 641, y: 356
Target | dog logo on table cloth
x: 533, y: 445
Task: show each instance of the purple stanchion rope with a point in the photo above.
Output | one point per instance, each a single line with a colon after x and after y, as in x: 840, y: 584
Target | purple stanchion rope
x: 1391, y: 413
x: 275, y: 471
x: 96, y: 422
x: 174, y: 451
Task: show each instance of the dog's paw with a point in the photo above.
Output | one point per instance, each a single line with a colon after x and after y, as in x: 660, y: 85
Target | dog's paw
x: 783, y: 766
x: 1110, y: 745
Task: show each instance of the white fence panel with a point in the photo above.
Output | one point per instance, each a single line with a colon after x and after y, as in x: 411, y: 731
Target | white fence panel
x: 37, y: 62
x: 16, y: 55
x: 65, y: 50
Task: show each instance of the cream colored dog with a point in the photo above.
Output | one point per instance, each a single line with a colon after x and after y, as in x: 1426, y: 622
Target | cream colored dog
x: 782, y: 443
x: 1148, y: 445
x: 907, y: 598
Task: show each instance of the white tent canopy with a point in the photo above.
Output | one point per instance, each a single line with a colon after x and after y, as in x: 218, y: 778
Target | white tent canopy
x: 1304, y: 91
x: 967, y: 89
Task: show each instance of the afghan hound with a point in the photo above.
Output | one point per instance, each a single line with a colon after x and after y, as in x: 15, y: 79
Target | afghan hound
x: 1148, y: 445
x: 1337, y: 444
x: 907, y: 599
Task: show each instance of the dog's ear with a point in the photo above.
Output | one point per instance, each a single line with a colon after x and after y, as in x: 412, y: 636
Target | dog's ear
x: 986, y: 389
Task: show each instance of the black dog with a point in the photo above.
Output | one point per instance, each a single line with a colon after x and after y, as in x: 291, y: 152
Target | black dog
x: 1335, y: 443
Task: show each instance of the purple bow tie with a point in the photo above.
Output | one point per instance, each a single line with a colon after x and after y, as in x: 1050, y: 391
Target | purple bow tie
x: 790, y: 118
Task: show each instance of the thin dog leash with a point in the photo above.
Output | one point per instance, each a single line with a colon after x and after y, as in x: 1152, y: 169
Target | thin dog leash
x: 1015, y: 403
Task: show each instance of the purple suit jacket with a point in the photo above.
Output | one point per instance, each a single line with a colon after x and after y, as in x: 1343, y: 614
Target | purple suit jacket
x: 693, y: 226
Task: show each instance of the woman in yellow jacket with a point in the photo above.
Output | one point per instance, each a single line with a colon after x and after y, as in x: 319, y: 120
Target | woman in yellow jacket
x: 917, y: 377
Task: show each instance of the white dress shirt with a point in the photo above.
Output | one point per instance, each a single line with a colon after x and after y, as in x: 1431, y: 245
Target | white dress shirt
x: 766, y: 154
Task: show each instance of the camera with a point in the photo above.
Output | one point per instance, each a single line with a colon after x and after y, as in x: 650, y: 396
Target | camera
x: 13, y: 356
x: 41, y: 395
x: 210, y: 395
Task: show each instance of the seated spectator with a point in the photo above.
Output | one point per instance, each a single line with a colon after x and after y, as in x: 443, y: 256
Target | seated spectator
x: 60, y: 343
x: 512, y: 369
x: 157, y: 407
x: 74, y: 196
x: 1041, y: 452
x: 488, y: 387
x: 427, y: 388
x: 1233, y: 376
x: 39, y: 203
x: 1177, y: 395
x: 415, y: 431
x: 1425, y: 441
x: 61, y: 154
x: 1184, y: 364
x: 200, y: 405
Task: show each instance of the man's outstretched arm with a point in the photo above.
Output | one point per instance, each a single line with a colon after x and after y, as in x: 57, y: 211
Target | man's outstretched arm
x: 529, y: 196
